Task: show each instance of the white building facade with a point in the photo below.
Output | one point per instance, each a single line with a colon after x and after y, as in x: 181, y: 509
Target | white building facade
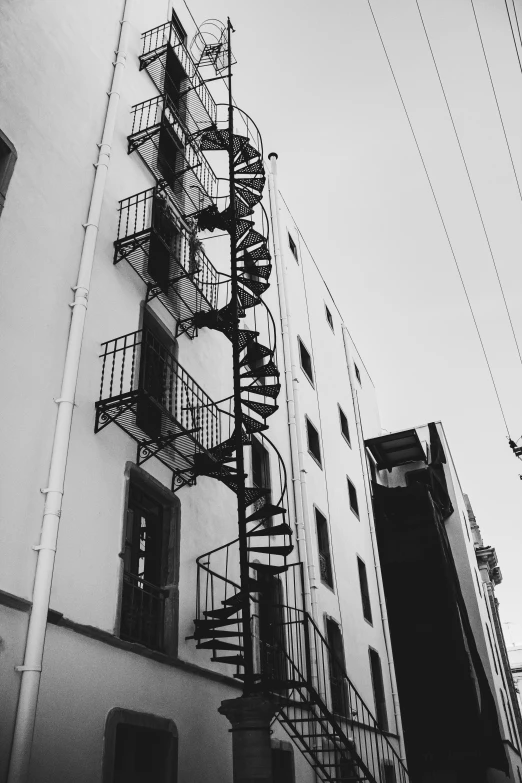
x: 113, y: 386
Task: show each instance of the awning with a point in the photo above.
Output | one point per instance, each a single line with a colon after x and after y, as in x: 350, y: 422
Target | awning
x: 396, y: 449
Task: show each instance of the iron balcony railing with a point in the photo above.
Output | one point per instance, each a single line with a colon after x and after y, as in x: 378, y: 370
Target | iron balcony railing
x: 167, y: 257
x: 159, y: 136
x: 156, y: 42
x: 142, y: 612
x: 147, y: 393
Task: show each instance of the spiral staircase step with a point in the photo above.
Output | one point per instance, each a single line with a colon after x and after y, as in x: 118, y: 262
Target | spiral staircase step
x: 222, y: 614
x: 236, y: 660
x: 257, y: 286
x: 214, y: 633
x: 268, y: 370
x: 264, y: 389
x: 252, y: 425
x: 218, y: 645
x: 284, y: 551
x: 261, y: 408
x: 255, y: 352
x: 266, y: 568
x: 252, y: 168
x: 213, y: 625
x: 246, y: 299
x: 252, y: 238
x: 282, y: 529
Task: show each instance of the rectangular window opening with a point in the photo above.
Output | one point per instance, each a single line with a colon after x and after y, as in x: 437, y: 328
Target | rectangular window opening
x: 329, y: 318
x: 352, y: 493
x: 365, y: 592
x: 344, y: 425
x: 357, y: 373
x: 323, y: 543
x: 314, y: 446
x: 283, y: 765
x: 306, y: 362
x: 293, y: 247
x: 378, y: 690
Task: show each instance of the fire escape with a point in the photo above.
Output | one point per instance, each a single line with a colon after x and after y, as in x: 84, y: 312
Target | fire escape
x: 249, y: 612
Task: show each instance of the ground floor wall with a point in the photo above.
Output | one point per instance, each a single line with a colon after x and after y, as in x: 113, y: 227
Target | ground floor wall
x: 86, y: 678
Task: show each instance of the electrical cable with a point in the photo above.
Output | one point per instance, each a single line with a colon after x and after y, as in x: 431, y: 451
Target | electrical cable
x: 513, y: 35
x: 516, y: 19
x: 440, y: 214
x: 470, y: 180
x: 496, y: 99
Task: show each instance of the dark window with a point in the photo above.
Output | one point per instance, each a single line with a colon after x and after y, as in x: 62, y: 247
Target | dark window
x: 344, y: 425
x: 282, y: 762
x: 337, y: 668
x: 329, y: 318
x: 293, y: 247
x: 157, y: 376
x: 357, y: 373
x: 261, y: 474
x: 323, y: 543
x: 306, y: 362
x: 378, y: 690
x: 352, y: 492
x: 492, y: 650
x: 7, y: 164
x: 148, y: 608
x: 139, y: 748
x: 466, y: 526
x: 388, y: 772
x: 272, y: 627
x: 365, y: 593
x: 313, y: 441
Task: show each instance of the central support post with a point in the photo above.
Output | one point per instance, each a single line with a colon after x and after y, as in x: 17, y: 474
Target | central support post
x: 238, y: 413
x: 251, y: 751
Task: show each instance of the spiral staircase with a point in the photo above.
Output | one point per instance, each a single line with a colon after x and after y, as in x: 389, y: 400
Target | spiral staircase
x: 249, y: 604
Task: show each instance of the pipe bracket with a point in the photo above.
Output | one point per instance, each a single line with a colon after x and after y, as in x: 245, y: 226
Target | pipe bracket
x: 28, y: 668
x: 39, y: 547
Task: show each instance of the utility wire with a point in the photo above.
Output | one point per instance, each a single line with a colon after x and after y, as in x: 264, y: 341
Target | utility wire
x: 516, y: 19
x: 469, y: 176
x: 513, y: 34
x: 440, y: 214
x: 496, y: 99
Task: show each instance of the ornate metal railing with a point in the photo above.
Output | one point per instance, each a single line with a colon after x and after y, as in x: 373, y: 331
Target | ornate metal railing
x: 142, y: 612
x: 166, y: 256
x: 148, y: 394
x: 155, y: 45
x: 159, y: 137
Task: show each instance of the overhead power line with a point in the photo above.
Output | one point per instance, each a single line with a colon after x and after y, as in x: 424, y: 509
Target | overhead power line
x: 513, y: 32
x: 440, y: 215
x: 469, y: 177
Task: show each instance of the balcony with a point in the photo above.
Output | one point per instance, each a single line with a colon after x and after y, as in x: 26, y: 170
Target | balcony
x: 165, y: 255
x: 174, y: 72
x: 160, y: 138
x: 147, y: 393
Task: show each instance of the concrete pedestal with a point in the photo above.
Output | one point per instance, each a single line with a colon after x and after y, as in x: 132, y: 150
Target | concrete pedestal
x: 250, y: 717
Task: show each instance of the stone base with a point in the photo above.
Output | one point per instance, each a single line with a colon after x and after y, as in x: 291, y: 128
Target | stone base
x: 250, y: 717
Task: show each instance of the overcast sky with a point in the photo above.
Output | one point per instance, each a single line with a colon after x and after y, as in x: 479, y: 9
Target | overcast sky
x: 315, y: 79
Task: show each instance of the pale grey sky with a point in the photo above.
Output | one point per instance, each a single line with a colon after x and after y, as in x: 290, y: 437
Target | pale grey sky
x: 315, y: 79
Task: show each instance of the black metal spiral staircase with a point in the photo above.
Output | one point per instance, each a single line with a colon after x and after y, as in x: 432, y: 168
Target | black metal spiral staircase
x: 249, y: 612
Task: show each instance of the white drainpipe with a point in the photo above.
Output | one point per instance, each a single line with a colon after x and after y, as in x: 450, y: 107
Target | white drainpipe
x: 378, y: 573
x: 304, y: 536
x: 32, y: 667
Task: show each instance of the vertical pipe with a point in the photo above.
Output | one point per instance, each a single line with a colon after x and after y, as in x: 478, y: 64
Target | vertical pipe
x: 238, y: 413
x: 304, y: 535
x: 377, y: 562
x: 31, y: 669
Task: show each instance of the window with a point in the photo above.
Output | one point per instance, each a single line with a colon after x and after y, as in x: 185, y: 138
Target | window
x: 313, y: 441
x: 150, y: 562
x: 357, y: 373
x: 338, y: 691
x: 329, y: 317
x: 271, y: 613
x: 352, y: 493
x: 365, y: 593
x: 378, y: 690
x: 306, y: 362
x: 466, y: 525
x: 157, y: 375
x: 139, y: 748
x: 344, y: 425
x: 282, y: 762
x: 7, y: 164
x: 388, y: 772
x: 491, y: 647
x: 261, y: 474
x: 323, y: 543
x: 293, y: 247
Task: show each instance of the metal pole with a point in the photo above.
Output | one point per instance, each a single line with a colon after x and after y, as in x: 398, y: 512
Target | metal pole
x: 238, y: 413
